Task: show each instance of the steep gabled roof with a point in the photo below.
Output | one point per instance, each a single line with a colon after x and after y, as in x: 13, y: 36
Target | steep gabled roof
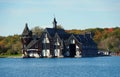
x: 62, y: 34
x: 57, y: 36
x: 85, y: 39
x: 89, y: 39
x: 82, y: 39
x: 74, y: 36
x: 78, y: 38
x: 50, y: 31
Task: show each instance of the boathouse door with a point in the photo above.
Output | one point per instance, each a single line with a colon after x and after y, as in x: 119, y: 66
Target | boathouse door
x: 72, y: 49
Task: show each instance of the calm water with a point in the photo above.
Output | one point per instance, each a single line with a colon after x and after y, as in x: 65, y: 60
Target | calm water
x: 60, y: 67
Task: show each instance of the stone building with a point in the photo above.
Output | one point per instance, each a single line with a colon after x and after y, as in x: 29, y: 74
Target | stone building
x: 56, y: 42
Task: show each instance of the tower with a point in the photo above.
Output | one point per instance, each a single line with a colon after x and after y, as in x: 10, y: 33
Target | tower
x: 54, y: 24
x: 26, y: 36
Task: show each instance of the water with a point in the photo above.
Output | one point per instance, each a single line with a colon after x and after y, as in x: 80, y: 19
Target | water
x: 60, y: 67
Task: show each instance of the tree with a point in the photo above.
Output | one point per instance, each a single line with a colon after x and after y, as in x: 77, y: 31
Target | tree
x: 98, y: 36
x: 10, y: 45
x: 37, y: 30
x: 59, y: 27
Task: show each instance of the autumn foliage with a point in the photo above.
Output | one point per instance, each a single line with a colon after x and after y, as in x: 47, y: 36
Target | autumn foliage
x: 106, y: 38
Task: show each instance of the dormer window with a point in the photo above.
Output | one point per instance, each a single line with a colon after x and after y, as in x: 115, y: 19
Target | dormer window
x: 46, y: 40
x: 72, y: 41
x: 57, y: 42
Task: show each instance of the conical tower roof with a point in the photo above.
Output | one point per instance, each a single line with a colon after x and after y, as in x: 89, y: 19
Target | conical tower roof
x: 26, y: 30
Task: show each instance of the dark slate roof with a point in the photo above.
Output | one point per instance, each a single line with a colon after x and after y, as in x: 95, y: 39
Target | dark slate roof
x: 26, y: 31
x: 62, y: 34
x: 33, y: 42
x: 80, y: 38
x: 89, y: 39
x: 85, y: 39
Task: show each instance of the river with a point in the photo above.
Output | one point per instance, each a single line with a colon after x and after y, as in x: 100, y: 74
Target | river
x: 60, y: 67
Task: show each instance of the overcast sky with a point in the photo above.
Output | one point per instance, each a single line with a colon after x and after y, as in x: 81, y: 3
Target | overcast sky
x: 71, y: 14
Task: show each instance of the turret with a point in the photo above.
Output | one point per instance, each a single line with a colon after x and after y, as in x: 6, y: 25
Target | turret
x: 54, y: 24
x: 26, y: 35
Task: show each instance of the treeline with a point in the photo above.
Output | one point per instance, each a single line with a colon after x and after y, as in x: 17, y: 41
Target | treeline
x: 10, y: 45
x: 106, y: 38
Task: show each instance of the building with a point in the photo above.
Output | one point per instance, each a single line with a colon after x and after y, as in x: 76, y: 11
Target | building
x: 56, y: 42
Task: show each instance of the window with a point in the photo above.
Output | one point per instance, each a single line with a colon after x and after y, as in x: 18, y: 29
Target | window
x: 57, y: 52
x: 46, y: 40
x: 57, y: 42
x: 57, y: 48
x: 46, y: 52
x: 72, y: 41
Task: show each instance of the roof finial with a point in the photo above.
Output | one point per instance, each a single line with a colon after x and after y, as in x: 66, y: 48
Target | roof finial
x: 26, y: 30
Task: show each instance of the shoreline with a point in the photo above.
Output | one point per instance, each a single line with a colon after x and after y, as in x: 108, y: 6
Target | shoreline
x: 10, y: 56
x: 19, y: 56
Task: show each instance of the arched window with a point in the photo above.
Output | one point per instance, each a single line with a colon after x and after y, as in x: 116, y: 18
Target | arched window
x: 57, y: 42
x: 46, y: 46
x: 46, y: 40
x: 72, y: 41
x: 57, y: 48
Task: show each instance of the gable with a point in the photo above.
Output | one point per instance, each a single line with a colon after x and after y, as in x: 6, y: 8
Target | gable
x: 57, y: 38
x: 31, y: 44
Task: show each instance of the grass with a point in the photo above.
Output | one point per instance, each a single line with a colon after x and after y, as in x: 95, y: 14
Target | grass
x: 11, y: 56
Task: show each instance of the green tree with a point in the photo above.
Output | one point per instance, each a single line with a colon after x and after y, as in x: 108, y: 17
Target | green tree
x: 60, y: 27
x: 37, y: 30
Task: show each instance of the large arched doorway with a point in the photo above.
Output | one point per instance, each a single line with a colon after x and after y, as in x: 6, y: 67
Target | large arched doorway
x: 72, y: 48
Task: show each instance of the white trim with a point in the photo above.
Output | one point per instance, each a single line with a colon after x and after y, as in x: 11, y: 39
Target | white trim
x: 72, y: 41
x: 32, y: 54
x: 77, y: 46
x: 46, y: 40
x: 32, y: 50
x: 57, y: 43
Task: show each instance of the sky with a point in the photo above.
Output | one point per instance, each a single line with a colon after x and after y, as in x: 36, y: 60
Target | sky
x: 71, y: 14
